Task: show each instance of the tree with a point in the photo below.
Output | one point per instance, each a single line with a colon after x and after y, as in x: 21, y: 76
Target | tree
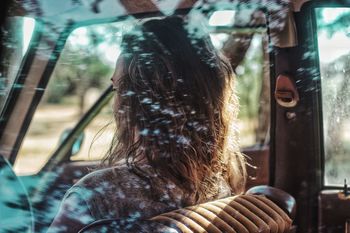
x: 82, y: 65
x: 253, y: 79
x: 339, y: 21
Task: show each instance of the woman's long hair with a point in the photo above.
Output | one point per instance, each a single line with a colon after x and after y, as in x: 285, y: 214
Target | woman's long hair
x: 175, y: 108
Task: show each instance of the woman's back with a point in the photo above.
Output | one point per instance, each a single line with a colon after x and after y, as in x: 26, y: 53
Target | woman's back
x: 118, y: 193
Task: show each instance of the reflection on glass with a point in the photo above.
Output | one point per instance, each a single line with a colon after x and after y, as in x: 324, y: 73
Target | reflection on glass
x: 333, y: 35
x: 222, y: 18
x: 82, y: 73
x: 18, y: 33
x: 28, y: 29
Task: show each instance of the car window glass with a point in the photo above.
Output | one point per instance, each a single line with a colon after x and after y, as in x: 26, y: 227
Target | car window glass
x: 333, y: 36
x: 86, y: 64
x: 252, y: 89
x: 98, y: 135
x: 18, y: 33
x: 253, y: 78
x: 82, y: 73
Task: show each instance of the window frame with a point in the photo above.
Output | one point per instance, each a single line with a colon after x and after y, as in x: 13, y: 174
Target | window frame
x: 24, y: 67
x: 311, y: 7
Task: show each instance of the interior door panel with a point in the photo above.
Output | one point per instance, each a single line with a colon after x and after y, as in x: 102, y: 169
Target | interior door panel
x: 334, y: 211
x: 258, y: 168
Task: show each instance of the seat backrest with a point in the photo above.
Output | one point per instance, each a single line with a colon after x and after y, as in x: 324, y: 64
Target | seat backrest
x: 248, y: 213
x: 242, y: 213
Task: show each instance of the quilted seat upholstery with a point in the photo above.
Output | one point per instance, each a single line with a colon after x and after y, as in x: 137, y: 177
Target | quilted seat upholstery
x: 261, y: 209
x: 241, y: 214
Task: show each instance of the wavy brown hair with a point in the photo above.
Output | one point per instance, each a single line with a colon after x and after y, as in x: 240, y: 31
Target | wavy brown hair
x: 176, y: 109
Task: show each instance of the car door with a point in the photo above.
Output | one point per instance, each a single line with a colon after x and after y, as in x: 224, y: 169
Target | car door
x: 311, y: 137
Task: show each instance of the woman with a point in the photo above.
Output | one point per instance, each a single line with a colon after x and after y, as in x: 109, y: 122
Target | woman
x: 175, y: 111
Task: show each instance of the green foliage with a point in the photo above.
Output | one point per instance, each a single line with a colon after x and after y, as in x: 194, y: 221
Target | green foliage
x: 80, y: 67
x: 333, y: 20
x: 75, y: 71
x: 58, y: 87
x: 249, y: 81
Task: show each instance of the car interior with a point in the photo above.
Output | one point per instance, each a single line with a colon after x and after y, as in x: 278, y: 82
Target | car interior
x: 291, y: 59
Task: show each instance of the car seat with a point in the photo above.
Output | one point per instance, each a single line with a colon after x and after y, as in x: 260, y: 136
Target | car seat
x: 260, y: 209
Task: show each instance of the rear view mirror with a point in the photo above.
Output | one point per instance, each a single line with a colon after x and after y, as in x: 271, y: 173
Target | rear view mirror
x: 78, y: 142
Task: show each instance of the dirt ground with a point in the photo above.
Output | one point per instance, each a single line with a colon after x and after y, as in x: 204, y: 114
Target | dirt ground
x: 47, y: 127
x: 50, y: 121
